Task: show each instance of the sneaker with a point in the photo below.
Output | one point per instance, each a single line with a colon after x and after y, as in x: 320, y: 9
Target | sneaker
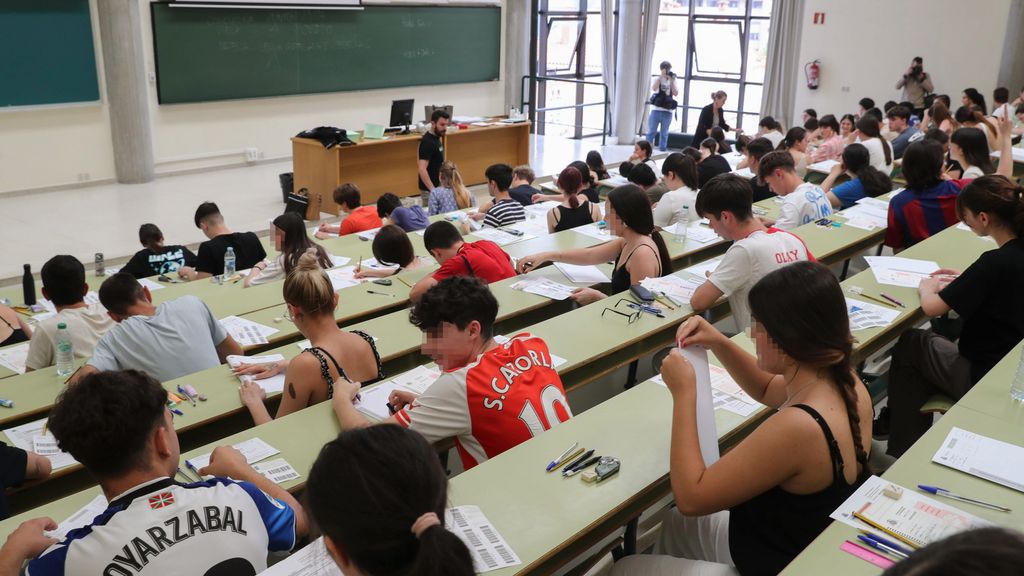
x: 880, y: 427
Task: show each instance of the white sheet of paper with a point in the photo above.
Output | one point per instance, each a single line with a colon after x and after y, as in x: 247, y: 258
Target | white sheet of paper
x: 698, y: 234
x: 418, y: 379
x: 311, y: 560
x: 707, y: 433
x: 340, y: 260
x: 13, y: 357
x: 277, y: 470
x: 534, y: 225
x: 541, y: 208
x: 147, y: 283
x: 865, y: 215
x: 272, y: 385
x: 984, y: 457
x: 24, y: 437
x: 825, y: 166
x: 83, y: 517
x: 247, y: 332
x: 343, y: 277
x: 899, y: 271
x: 368, y: 234
x: 582, y: 274
x: 544, y: 287
x: 593, y: 231
x: 376, y: 265
x: 680, y: 288
x: 864, y: 315
x: 374, y: 401
x: 490, y: 551
x: 701, y: 268
x: 254, y: 450
x: 500, y: 237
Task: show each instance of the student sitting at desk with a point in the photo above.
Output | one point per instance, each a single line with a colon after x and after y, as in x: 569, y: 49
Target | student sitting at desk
x: 333, y: 353
x: 969, y: 147
x: 502, y: 210
x: 452, y: 194
x: 642, y: 152
x: 156, y: 258
x: 755, y: 252
x: 369, y: 530
x: 589, y: 187
x: 408, y: 218
x: 710, y: 163
x: 64, y: 284
x: 802, y: 202
x: 638, y: 249
x: 869, y: 134
x: 987, y: 298
x: 483, y: 259
x: 291, y: 242
x: 647, y: 180
x: 865, y: 180
x: 831, y: 145
x: 521, y: 190
x: 795, y: 143
x: 574, y: 210
x: 457, y: 319
x: 765, y: 500
x: 13, y: 328
x: 756, y: 149
x: 679, y: 173
x: 899, y: 123
x: 391, y: 247
x: 596, y: 164
x: 177, y: 338
x: 118, y: 425
x: 357, y: 218
x: 210, y: 260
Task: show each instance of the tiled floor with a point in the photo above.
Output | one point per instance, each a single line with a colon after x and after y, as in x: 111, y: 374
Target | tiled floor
x: 106, y: 218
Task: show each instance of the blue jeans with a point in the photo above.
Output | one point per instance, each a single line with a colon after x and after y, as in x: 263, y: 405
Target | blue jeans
x: 654, y: 118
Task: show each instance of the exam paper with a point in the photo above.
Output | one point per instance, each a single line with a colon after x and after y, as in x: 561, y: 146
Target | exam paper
x: 707, y: 433
x: 825, y: 166
x: 490, y: 551
x: 343, y: 277
x: 582, y: 274
x: 499, y: 236
x: 368, y: 234
x: 864, y: 315
x: 677, y: 287
x: 535, y: 225
x: 702, y: 269
x: 340, y: 260
x: 83, y: 517
x: 277, y: 470
x: 984, y: 457
x: 13, y: 357
x: 744, y: 173
x: 311, y: 560
x: 272, y: 385
x: 374, y: 400
x: 247, y: 332
x: 541, y: 209
x: 147, y: 283
x: 898, y: 271
x: 30, y: 437
x: 698, y: 234
x: 544, y: 287
x: 254, y: 450
x: 593, y: 231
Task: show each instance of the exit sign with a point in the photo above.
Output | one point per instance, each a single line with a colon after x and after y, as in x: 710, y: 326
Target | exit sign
x: 819, y: 17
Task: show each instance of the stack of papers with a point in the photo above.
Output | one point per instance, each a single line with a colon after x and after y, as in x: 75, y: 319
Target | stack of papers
x: 534, y: 226
x: 312, y: 560
x: 864, y: 315
x: 898, y: 271
x: 868, y: 214
x: 30, y: 437
x: 374, y: 400
x: 499, y: 236
x: 698, y: 234
x: 677, y: 287
x: 80, y: 519
x: 544, y: 287
x: 272, y: 385
x: 254, y: 450
x: 726, y: 394
x: 247, y: 332
x: 592, y: 230
x: 582, y: 274
x: 825, y: 166
x: 13, y: 357
x: 984, y: 457
x: 703, y: 269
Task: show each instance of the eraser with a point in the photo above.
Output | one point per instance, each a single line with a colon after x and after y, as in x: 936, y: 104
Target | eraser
x: 589, y: 476
x: 893, y: 491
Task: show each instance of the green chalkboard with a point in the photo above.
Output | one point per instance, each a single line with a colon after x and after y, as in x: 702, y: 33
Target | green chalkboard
x: 225, y: 54
x: 46, y: 53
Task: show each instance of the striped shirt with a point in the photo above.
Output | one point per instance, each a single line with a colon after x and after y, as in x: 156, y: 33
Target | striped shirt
x: 917, y: 214
x: 504, y: 212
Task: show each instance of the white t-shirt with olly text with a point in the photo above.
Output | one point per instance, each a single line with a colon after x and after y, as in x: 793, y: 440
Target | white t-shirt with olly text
x: 805, y: 204
x: 666, y: 213
x: 750, y: 259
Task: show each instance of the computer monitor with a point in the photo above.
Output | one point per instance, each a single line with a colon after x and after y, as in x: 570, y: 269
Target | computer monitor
x: 401, y: 113
x: 428, y: 111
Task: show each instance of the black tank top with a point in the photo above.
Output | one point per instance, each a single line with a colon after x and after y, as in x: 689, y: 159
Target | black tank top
x: 325, y: 372
x: 620, y: 275
x: 17, y: 335
x: 573, y: 217
x: 769, y: 530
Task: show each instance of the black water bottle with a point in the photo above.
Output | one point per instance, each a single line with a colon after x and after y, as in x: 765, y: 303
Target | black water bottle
x: 28, y: 286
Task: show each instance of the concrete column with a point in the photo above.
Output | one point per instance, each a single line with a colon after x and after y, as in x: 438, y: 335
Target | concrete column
x: 517, y: 50
x: 1011, y: 69
x: 125, y: 73
x: 628, y: 58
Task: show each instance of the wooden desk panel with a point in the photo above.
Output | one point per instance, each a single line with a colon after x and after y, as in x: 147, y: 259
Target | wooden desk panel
x: 474, y: 149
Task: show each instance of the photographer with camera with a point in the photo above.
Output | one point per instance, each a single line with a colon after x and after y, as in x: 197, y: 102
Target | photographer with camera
x: 711, y: 116
x: 662, y: 104
x: 916, y: 83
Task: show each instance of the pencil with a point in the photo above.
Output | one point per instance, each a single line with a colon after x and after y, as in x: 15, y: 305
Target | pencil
x: 879, y: 300
x: 359, y: 266
x: 404, y: 281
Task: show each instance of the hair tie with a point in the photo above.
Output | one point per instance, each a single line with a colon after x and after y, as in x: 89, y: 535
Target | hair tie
x: 425, y: 522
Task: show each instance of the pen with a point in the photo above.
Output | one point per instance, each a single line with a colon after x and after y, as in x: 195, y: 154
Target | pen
x: 391, y: 408
x: 380, y: 293
x: 184, y: 475
x: 647, y: 309
x: 880, y: 546
x: 403, y: 281
x: 946, y: 493
x: 178, y: 412
x: 359, y: 266
x: 664, y: 300
x: 893, y: 300
x: 581, y: 467
x: 190, y: 397
x: 879, y: 300
x: 888, y: 531
x: 557, y: 461
x: 671, y: 299
x: 73, y: 374
x: 577, y: 461
x: 887, y: 542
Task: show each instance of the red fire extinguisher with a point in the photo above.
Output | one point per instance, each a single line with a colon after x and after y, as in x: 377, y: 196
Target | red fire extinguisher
x: 812, y: 70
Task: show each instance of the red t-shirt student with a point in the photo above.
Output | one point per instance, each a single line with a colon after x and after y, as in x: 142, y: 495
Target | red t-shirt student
x: 359, y: 220
x: 482, y: 259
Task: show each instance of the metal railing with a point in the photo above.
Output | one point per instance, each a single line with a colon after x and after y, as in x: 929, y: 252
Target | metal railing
x: 606, y: 116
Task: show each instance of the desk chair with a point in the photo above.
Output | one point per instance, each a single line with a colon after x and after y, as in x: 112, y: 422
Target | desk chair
x: 937, y: 404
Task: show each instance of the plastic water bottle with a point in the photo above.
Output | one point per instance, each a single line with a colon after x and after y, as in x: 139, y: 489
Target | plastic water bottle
x: 65, y: 351
x: 229, y: 263
x: 682, y: 223
x: 1017, y: 388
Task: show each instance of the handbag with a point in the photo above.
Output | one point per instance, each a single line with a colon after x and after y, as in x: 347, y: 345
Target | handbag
x: 661, y: 99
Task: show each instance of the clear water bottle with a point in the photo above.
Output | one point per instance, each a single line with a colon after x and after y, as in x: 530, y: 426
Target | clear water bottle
x: 1017, y: 388
x: 229, y: 263
x: 65, y: 351
x: 682, y: 223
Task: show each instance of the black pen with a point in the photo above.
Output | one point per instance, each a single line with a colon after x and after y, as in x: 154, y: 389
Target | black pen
x: 391, y: 408
x: 581, y: 467
x: 579, y: 460
x: 380, y: 293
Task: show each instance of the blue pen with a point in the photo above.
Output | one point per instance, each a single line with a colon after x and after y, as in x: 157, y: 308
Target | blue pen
x: 7, y: 403
x: 887, y: 542
x: 947, y: 494
x: 648, y: 309
x: 879, y: 546
x: 554, y: 463
x: 178, y: 412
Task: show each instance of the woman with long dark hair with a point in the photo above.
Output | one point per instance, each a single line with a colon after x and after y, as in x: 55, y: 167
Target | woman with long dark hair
x: 971, y: 117
x: 638, y: 249
x: 291, y: 242
x: 765, y: 500
x: 870, y: 136
x: 969, y: 147
x: 795, y: 142
x: 596, y: 164
x: 575, y: 209
x: 865, y: 179
x: 391, y: 247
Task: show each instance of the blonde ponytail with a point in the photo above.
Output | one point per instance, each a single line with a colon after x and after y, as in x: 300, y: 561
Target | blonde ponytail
x: 308, y: 287
x: 450, y: 178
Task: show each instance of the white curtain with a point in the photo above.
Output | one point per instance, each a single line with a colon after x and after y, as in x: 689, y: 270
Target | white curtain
x: 608, y: 54
x: 637, y: 19
x: 783, y: 72
x: 517, y: 50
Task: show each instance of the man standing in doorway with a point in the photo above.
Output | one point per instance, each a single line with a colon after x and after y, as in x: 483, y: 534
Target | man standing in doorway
x: 432, y: 154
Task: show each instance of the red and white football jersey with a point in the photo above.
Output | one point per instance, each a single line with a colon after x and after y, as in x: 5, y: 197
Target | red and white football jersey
x: 507, y: 396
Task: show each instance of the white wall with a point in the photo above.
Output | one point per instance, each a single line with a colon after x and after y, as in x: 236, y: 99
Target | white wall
x: 52, y: 147
x: 865, y: 46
